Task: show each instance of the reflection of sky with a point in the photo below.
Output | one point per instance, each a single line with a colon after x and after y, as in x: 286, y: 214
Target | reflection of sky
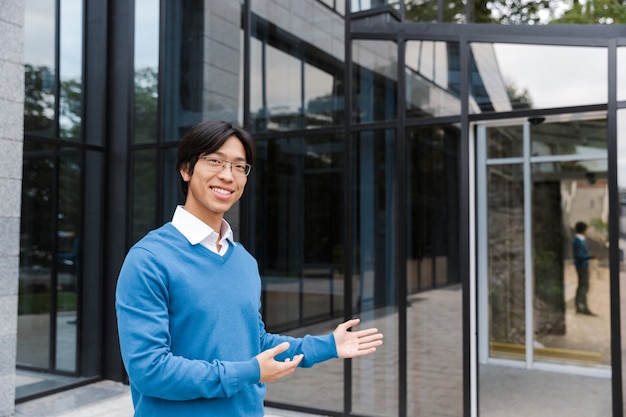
x: 39, y: 32
x: 146, y: 33
x: 553, y: 75
x: 39, y: 35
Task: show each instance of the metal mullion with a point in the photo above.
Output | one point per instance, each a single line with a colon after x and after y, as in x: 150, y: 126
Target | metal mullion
x: 347, y: 200
x: 614, y: 225
x: 400, y: 232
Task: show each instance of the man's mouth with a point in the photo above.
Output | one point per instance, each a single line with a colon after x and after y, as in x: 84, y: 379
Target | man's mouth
x: 221, y: 191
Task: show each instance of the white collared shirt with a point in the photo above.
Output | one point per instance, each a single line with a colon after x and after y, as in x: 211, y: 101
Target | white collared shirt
x: 580, y: 236
x: 196, y: 231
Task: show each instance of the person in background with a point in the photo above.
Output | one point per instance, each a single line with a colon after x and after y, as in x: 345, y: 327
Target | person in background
x: 581, y: 262
x: 188, y: 299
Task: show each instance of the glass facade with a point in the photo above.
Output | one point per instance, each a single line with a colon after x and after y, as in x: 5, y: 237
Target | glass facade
x: 52, y: 191
x: 424, y: 178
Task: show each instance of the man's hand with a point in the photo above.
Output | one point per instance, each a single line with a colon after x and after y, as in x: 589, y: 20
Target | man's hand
x: 359, y: 343
x: 271, y: 369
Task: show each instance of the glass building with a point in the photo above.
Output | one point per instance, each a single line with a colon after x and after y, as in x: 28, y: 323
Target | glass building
x: 415, y: 167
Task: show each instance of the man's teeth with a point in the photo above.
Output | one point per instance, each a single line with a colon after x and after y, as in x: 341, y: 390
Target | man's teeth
x: 221, y: 191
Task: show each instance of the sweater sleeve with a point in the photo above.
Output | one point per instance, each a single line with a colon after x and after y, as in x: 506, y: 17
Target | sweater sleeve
x: 315, y: 349
x: 143, y: 327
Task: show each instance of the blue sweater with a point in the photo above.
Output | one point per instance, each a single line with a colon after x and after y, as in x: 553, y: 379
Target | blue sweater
x: 190, y: 328
x: 581, y: 253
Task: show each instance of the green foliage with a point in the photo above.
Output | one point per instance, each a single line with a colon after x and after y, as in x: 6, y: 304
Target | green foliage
x: 594, y: 12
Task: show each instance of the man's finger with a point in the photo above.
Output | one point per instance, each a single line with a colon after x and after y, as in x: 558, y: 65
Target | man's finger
x: 278, y: 349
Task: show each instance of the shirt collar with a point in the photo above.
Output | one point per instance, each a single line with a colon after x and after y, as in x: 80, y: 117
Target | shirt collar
x: 580, y: 236
x: 195, y: 230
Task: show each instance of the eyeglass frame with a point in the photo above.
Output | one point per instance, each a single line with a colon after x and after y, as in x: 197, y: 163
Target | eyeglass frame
x: 248, y: 167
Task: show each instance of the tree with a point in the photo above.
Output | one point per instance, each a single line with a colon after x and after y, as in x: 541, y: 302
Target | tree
x: 603, y: 12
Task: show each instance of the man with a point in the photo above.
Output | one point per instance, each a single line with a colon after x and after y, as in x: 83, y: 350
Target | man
x: 188, y: 299
x: 581, y: 261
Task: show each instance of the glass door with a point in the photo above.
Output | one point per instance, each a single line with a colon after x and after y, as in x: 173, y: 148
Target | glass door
x: 542, y: 261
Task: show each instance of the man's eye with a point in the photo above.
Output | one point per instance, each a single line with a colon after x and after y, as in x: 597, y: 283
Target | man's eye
x: 214, y: 161
x: 240, y: 167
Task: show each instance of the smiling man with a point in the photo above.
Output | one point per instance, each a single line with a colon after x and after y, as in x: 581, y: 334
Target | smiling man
x: 188, y: 299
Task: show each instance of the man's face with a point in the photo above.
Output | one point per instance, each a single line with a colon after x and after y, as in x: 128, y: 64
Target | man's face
x: 212, y: 192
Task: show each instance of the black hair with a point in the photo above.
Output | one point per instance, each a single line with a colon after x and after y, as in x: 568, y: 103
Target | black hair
x: 207, y: 137
x: 580, y: 227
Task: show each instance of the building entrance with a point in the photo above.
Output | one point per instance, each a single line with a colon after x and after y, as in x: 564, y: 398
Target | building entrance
x: 538, y: 307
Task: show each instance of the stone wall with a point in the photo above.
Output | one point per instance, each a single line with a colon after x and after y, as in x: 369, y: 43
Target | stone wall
x: 11, y: 140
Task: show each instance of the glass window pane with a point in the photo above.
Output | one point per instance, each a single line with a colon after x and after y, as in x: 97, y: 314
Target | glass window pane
x: 283, y: 90
x: 144, y: 188
x: 375, y: 80
x: 297, y: 66
x: 567, y: 285
x: 69, y: 220
x: 434, y: 314
x: 374, y: 377
x: 70, y: 69
x: 146, y: 70
x: 506, y: 261
x: 621, y: 74
x: 432, y: 82
x: 506, y: 77
x: 452, y: 11
x: 320, y: 102
x: 576, y: 137
x: 505, y: 141
x: 39, y: 66
x: 201, y: 71
x: 36, y: 256
x: 299, y: 248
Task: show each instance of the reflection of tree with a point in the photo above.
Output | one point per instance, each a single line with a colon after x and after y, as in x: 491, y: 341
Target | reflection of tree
x: 520, y: 99
x: 70, y: 109
x: 39, y: 96
x: 520, y: 12
x: 595, y: 12
x: 146, y: 100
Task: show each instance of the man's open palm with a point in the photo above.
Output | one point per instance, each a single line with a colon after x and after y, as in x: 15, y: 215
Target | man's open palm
x: 358, y: 343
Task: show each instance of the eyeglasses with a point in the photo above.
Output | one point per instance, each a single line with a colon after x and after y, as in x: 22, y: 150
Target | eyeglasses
x: 216, y: 164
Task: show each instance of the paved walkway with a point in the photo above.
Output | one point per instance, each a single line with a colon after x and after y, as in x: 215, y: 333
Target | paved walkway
x: 434, y: 374
x: 102, y: 399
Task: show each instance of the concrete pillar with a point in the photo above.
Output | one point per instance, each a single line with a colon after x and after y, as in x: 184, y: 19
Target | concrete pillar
x: 11, y: 141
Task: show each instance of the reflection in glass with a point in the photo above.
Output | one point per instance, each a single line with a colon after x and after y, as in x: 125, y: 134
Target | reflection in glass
x: 505, y: 141
x: 432, y: 79
x: 299, y: 246
x: 49, y: 258
x: 36, y: 257
x: 505, y: 200
x: 201, y: 76
x: 296, y: 82
x: 578, y: 137
x: 374, y: 377
x: 68, y: 258
x: 451, y: 11
x: 563, y: 194
x: 434, y: 316
x: 319, y: 99
x: 146, y: 70
x: 70, y: 69
x: 512, y: 76
x: 39, y: 66
x: 283, y: 90
x: 621, y: 74
x: 375, y: 80
x: 144, y: 193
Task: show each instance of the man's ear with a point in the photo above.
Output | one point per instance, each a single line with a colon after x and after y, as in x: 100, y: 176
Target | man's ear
x: 184, y: 172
